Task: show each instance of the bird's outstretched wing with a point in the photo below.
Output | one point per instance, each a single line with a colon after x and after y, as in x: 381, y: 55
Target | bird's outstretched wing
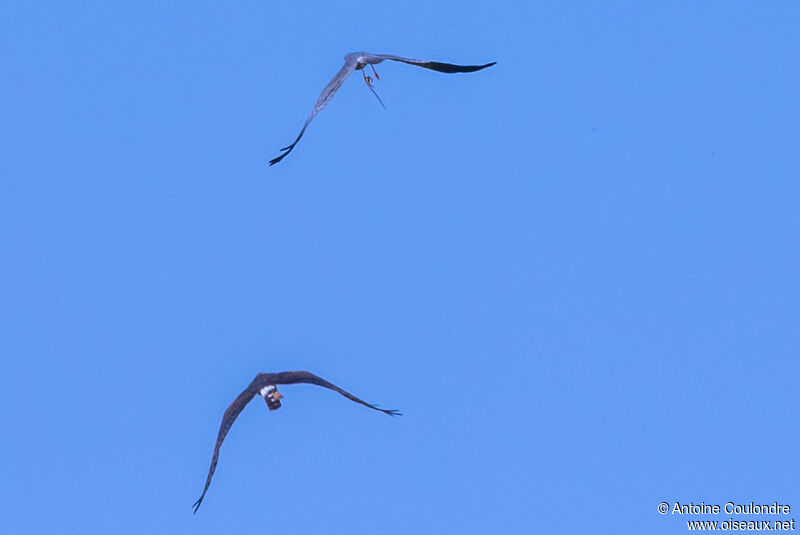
x: 322, y: 101
x: 231, y: 413
x: 436, y: 65
x: 287, y: 378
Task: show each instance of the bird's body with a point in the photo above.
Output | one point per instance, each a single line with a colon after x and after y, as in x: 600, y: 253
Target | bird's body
x: 363, y: 59
x: 265, y: 384
x: 356, y: 61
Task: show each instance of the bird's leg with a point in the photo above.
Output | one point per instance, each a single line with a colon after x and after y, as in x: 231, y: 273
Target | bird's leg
x: 377, y: 76
x: 367, y: 79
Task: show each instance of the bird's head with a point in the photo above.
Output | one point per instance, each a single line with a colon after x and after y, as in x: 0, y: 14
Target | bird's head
x: 272, y: 397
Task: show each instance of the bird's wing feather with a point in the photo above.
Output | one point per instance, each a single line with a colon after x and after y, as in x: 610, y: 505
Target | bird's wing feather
x: 231, y: 413
x: 322, y: 101
x: 308, y: 377
x: 436, y: 65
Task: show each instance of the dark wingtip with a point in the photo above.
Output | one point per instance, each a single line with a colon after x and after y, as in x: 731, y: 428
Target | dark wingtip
x: 481, y: 67
x: 390, y: 412
x: 277, y: 159
x: 453, y: 68
x: 285, y: 150
x: 196, y: 504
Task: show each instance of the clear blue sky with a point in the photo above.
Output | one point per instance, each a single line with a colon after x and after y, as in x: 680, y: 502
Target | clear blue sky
x: 576, y: 272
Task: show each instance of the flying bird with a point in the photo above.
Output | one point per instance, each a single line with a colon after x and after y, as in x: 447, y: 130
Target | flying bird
x: 265, y: 385
x: 356, y: 61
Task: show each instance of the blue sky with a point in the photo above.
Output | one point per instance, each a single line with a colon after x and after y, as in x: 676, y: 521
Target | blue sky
x: 575, y: 273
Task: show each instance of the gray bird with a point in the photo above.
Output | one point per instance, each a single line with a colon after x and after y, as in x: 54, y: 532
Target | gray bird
x: 264, y: 385
x: 356, y: 61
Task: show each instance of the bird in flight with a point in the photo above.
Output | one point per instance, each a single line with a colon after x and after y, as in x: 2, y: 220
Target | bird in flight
x: 265, y: 384
x: 357, y: 61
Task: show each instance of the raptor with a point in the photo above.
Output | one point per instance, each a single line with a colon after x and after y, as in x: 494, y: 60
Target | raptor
x: 265, y: 385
